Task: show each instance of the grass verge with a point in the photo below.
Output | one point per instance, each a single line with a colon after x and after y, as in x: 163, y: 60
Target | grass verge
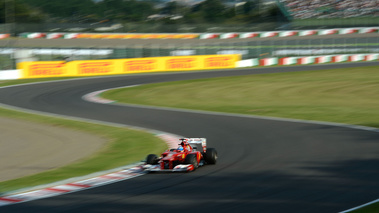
x: 349, y: 95
x: 124, y: 147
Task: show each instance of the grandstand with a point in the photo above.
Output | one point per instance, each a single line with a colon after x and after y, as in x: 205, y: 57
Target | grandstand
x: 330, y: 13
x: 304, y: 9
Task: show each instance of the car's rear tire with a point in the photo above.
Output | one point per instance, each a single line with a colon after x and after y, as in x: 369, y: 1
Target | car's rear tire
x: 191, y: 159
x: 152, y: 159
x: 210, y: 156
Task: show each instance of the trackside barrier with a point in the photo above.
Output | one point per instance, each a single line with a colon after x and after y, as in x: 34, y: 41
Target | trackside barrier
x: 2, y: 36
x: 57, y: 69
x: 308, y: 60
x: 269, y: 34
x: 10, y: 74
x: 41, y: 69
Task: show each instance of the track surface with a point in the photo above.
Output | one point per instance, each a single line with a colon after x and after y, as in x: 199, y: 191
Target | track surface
x: 264, y: 165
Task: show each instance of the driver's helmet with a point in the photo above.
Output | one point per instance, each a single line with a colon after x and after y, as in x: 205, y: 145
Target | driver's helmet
x: 180, y: 149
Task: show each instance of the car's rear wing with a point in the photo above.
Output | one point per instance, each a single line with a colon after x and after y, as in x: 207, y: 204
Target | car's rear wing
x: 195, y: 142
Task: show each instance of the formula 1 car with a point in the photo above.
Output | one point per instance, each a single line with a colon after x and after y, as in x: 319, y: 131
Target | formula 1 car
x: 191, y: 153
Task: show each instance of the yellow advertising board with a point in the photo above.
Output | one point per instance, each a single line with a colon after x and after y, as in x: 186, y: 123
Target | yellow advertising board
x: 42, y: 69
x: 183, y: 63
x: 136, y: 36
x: 141, y: 65
x: 220, y: 62
x: 94, y: 67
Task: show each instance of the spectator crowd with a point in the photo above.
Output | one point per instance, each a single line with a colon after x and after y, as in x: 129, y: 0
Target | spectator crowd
x: 303, y: 9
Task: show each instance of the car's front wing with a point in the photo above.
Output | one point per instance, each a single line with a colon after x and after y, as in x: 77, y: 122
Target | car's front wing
x: 178, y: 168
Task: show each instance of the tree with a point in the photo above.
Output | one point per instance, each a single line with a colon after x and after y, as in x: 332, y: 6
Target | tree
x: 127, y: 10
x: 62, y: 8
x: 213, y: 11
x: 249, y: 6
x: 170, y: 8
x: 17, y: 11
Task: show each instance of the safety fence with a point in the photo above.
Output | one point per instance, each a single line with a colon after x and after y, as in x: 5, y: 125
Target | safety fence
x: 283, y: 44
x: 266, y: 34
x: 10, y: 56
x: 247, y: 49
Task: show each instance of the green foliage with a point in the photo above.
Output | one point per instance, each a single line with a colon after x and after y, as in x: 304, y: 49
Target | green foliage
x: 213, y: 11
x: 129, y: 10
x: 17, y: 11
x: 88, y: 11
x: 61, y: 8
x: 170, y: 8
x: 249, y: 7
x: 79, y: 11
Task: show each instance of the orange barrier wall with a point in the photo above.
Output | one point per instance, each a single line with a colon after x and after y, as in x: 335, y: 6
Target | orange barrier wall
x: 43, y: 69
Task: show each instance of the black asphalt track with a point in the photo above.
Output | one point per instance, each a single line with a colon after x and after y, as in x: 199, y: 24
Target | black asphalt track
x: 264, y: 165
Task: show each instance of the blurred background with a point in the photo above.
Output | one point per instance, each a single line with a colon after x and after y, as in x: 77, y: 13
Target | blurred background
x: 19, y: 18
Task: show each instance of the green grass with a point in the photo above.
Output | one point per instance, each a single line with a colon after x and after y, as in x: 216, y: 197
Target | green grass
x: 123, y: 147
x: 341, y: 95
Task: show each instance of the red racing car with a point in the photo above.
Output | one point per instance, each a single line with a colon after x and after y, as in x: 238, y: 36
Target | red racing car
x: 191, y: 153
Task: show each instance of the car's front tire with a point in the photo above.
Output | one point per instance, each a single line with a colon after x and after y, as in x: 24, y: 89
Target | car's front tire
x: 191, y: 159
x: 210, y: 156
x: 152, y: 159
